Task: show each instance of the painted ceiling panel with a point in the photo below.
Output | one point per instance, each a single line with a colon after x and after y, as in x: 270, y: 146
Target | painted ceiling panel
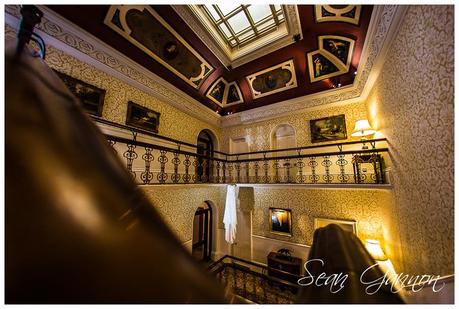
x: 143, y: 27
x: 326, y: 55
x: 272, y: 80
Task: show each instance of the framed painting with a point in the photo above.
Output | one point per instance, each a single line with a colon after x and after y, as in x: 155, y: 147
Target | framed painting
x: 141, y: 117
x: 91, y: 97
x: 347, y: 225
x: 280, y: 221
x: 328, y: 129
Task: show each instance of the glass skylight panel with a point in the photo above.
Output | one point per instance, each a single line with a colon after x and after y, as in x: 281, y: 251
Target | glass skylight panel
x: 239, y: 22
x: 267, y: 24
x: 227, y: 8
x: 212, y: 12
x: 225, y: 30
x: 246, y: 35
x: 258, y: 12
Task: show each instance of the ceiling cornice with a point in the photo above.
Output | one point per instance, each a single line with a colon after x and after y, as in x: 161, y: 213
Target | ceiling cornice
x: 71, y: 39
x: 293, y: 27
x: 383, y: 26
x: 64, y: 35
x: 192, y: 21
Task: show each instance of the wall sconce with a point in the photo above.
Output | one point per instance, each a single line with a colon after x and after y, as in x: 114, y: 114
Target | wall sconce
x: 385, y: 264
x: 362, y: 128
x: 375, y: 250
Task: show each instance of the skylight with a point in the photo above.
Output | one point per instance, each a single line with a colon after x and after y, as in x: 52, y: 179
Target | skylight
x: 239, y: 25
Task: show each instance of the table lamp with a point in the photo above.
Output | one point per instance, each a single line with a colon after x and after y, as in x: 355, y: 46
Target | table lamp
x: 362, y: 128
x: 375, y: 250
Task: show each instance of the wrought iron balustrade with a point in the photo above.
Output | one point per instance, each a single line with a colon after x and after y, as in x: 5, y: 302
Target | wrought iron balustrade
x: 169, y: 161
x: 249, y: 280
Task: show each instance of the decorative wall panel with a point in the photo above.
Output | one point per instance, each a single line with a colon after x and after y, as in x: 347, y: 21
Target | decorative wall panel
x: 275, y: 79
x: 338, y: 13
x: 412, y: 104
x: 144, y: 28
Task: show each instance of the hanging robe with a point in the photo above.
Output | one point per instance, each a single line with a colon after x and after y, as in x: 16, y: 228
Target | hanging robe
x: 230, y: 216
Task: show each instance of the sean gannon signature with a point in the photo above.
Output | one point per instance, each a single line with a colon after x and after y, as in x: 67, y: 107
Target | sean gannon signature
x: 397, y: 282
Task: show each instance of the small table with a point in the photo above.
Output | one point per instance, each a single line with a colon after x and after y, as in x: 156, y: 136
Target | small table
x: 290, y: 268
x: 377, y: 164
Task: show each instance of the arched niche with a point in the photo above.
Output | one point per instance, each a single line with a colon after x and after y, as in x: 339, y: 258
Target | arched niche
x: 206, y: 145
x: 204, y: 231
x: 283, y: 136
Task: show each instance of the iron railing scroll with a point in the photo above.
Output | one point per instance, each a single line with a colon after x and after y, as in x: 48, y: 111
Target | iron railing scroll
x: 155, y: 159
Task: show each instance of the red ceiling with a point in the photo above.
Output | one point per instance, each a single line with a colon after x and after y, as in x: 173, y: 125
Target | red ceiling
x: 91, y: 19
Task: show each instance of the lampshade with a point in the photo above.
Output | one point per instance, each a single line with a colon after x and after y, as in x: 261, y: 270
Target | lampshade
x: 375, y: 250
x: 362, y: 128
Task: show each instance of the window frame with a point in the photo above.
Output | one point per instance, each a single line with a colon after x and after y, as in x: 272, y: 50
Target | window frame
x: 278, y: 18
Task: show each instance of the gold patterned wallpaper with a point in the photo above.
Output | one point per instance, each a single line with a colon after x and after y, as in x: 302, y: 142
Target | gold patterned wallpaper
x: 412, y: 104
x: 118, y: 93
x: 259, y: 133
x: 178, y: 203
x: 366, y: 206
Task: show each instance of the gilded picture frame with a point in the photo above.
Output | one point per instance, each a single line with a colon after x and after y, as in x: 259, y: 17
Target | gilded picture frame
x: 347, y: 225
x: 142, y: 118
x: 91, y: 97
x: 280, y: 221
x: 328, y: 129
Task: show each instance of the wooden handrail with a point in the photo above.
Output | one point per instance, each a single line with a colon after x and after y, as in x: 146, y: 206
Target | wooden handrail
x: 172, y: 150
x: 284, y: 282
x: 165, y: 138
x: 251, y: 263
x: 309, y: 147
x: 134, y: 129
x: 153, y: 146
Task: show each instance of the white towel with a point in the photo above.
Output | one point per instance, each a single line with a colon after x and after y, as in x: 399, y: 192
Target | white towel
x: 230, y: 216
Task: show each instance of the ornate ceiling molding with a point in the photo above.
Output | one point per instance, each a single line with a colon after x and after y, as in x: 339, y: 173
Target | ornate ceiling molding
x: 293, y: 28
x: 65, y: 36
x: 166, y: 54
x: 383, y: 27
x: 348, y: 14
x: 71, y: 39
x: 191, y: 20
